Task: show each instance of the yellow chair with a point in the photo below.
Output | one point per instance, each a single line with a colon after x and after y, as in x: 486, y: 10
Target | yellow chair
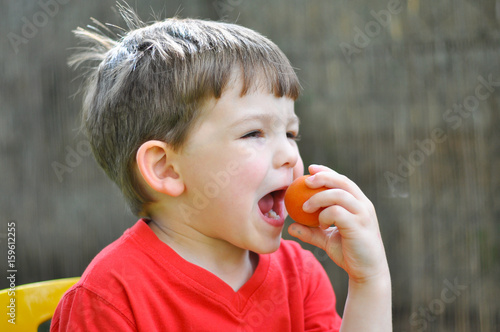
x: 34, y: 303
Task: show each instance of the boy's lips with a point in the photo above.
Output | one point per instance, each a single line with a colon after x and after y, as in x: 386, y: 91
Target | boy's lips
x: 271, y: 207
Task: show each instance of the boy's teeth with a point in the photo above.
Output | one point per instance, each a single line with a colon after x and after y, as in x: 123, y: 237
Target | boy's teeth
x: 272, y: 214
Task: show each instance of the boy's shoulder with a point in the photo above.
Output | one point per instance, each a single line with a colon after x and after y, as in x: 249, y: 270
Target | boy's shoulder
x: 104, y: 283
x: 119, y: 260
x: 124, y: 247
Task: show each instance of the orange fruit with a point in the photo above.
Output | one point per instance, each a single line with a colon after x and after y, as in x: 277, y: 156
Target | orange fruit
x: 296, y: 195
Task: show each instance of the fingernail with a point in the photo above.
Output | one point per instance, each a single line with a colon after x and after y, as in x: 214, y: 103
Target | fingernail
x: 306, y: 206
x: 311, y: 178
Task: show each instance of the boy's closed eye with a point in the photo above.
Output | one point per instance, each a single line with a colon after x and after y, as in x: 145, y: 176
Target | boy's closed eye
x: 293, y: 135
x: 254, y: 134
x: 259, y: 133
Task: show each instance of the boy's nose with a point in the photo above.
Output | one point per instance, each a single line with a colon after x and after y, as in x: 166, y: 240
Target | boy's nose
x: 286, y: 154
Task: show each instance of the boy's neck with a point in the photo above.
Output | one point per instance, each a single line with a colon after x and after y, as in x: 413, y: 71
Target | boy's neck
x: 233, y: 265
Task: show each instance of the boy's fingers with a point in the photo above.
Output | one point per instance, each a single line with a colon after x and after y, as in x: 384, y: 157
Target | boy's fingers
x: 332, y: 179
x: 311, y: 235
x: 313, y: 169
x: 331, y: 197
x: 336, y: 215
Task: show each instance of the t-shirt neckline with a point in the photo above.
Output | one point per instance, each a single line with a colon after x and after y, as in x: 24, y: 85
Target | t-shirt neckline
x: 203, y: 280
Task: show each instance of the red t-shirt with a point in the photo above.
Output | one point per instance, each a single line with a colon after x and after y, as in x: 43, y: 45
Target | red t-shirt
x: 138, y: 283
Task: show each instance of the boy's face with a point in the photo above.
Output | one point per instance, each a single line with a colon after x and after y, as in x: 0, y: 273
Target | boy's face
x: 236, y: 164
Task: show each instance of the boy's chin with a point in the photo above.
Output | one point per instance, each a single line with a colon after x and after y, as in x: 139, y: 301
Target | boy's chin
x: 269, y: 247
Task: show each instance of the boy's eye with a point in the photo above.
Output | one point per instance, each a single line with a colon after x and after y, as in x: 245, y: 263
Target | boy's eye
x: 253, y: 134
x: 293, y: 135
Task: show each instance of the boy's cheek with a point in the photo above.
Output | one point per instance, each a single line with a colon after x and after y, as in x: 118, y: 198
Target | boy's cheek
x: 298, y: 169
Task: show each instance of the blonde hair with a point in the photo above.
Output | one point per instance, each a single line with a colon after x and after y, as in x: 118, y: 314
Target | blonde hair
x: 151, y: 82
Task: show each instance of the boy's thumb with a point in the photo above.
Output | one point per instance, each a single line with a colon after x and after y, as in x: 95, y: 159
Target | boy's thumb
x: 311, y: 235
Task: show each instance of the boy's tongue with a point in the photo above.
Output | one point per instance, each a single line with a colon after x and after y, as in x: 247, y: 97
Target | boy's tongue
x: 266, y: 203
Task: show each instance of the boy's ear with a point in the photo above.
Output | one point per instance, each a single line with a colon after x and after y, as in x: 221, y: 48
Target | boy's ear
x: 156, y: 162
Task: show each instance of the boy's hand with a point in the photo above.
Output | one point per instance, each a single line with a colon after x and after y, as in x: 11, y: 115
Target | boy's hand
x: 354, y: 243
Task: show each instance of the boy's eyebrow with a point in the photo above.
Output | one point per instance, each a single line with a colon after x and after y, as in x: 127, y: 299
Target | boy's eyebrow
x: 293, y: 119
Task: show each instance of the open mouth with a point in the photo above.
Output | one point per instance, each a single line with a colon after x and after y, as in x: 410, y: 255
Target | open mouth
x: 271, y: 205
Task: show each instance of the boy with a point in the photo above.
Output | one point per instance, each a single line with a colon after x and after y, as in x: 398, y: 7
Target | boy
x: 194, y: 121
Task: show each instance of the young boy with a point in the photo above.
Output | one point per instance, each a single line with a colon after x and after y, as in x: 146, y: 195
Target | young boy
x: 194, y: 120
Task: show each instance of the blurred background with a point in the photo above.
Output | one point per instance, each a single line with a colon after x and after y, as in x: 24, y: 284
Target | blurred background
x: 400, y: 96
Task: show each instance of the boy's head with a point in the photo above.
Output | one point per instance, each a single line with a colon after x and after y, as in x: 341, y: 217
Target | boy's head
x: 153, y: 82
